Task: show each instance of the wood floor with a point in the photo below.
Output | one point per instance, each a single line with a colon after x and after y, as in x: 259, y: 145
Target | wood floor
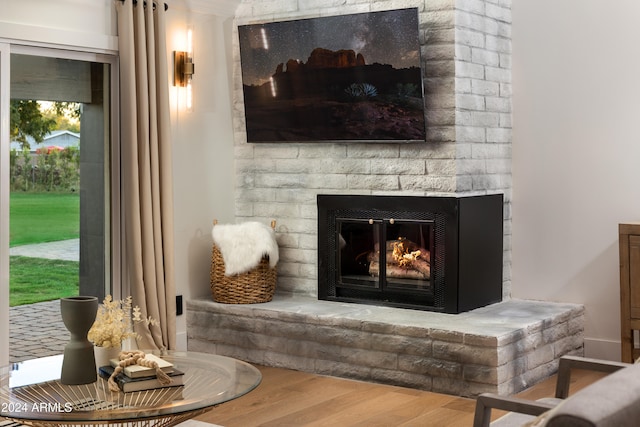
x: 291, y: 398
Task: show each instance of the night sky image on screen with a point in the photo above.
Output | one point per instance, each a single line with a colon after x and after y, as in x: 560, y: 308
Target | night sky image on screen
x: 341, y: 78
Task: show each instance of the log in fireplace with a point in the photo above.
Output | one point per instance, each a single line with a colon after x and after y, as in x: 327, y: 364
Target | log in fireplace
x: 430, y: 253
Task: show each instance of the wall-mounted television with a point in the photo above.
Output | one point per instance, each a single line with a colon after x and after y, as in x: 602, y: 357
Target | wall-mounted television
x: 339, y: 78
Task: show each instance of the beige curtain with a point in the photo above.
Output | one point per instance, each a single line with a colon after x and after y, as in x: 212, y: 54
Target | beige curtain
x: 146, y: 168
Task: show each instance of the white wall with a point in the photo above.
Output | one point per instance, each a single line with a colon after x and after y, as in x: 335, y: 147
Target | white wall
x: 90, y: 16
x: 576, y: 97
x: 64, y: 22
x: 203, y: 151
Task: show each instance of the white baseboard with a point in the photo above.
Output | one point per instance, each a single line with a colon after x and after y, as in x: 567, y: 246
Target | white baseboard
x: 602, y: 349
x: 181, y: 341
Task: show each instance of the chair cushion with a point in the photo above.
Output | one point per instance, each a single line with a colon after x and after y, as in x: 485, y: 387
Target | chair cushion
x: 612, y: 401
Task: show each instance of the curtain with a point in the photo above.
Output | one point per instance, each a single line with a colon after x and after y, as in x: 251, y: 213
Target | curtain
x: 146, y: 170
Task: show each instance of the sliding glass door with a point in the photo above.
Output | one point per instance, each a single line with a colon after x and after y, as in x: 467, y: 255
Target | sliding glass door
x: 59, y: 186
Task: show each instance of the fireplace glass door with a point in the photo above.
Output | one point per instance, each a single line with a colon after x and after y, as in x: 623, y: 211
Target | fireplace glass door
x: 385, y: 255
x: 427, y: 253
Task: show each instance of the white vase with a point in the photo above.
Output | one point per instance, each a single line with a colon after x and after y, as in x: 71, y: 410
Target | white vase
x: 105, y: 354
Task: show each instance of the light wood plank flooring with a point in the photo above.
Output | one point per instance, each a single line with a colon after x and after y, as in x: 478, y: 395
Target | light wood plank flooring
x: 292, y: 398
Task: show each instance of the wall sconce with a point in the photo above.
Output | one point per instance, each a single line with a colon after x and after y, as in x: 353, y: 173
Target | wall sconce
x: 184, y: 69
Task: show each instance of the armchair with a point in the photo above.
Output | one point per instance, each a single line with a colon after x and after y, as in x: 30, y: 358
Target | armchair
x: 611, y: 401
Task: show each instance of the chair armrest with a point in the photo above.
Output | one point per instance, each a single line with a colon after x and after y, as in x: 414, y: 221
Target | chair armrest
x: 487, y: 401
x: 567, y: 363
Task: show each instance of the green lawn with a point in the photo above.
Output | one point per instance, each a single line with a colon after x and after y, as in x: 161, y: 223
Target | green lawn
x: 37, y: 218
x: 43, y: 217
x: 37, y: 279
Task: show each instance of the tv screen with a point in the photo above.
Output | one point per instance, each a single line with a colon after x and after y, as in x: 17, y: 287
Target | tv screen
x: 340, y: 78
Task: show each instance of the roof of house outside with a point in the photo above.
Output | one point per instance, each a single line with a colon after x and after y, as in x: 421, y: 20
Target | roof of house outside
x: 58, y: 138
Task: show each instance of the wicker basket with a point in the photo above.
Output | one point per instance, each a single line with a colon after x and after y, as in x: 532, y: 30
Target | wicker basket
x: 255, y: 286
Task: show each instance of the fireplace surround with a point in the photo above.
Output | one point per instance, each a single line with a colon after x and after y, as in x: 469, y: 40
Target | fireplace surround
x: 501, y: 348
x: 429, y: 253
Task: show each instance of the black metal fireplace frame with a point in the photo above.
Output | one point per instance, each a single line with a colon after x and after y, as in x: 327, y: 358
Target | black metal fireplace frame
x: 468, y: 250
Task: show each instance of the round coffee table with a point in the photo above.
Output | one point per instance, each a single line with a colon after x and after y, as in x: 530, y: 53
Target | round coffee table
x: 30, y: 397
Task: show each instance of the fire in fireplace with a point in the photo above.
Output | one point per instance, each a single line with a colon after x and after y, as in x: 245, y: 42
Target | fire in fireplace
x: 430, y: 253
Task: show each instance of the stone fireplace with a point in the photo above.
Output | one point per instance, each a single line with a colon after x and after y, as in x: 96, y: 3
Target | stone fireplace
x: 431, y: 253
x: 502, y: 347
x: 465, y: 49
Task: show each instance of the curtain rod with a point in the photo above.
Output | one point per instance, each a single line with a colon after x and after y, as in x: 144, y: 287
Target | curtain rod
x: 166, y: 6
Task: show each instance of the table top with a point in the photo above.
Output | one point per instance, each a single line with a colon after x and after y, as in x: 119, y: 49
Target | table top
x: 31, y: 393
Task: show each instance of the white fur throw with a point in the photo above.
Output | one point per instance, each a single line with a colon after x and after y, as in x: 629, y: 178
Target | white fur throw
x: 243, y: 245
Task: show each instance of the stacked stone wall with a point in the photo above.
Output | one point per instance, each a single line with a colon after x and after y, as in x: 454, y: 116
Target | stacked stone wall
x: 466, y: 62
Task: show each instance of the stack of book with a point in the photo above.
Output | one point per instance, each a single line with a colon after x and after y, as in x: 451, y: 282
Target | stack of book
x: 139, y: 378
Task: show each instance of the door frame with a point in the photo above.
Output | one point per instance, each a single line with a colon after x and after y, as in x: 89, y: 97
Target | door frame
x: 113, y: 246
x: 4, y: 197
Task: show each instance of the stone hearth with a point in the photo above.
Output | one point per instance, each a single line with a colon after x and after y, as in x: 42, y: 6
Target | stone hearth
x: 503, y: 348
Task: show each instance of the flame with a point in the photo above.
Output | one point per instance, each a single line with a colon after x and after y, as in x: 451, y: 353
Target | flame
x: 402, y: 255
